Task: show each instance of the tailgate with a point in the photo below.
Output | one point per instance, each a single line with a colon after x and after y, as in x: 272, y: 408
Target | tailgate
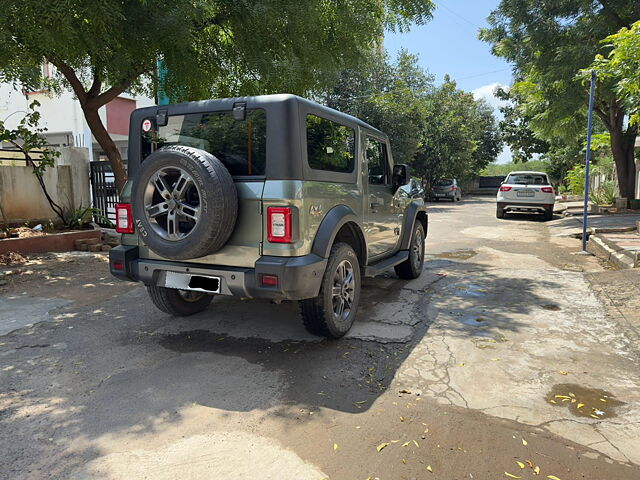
x: 244, y: 245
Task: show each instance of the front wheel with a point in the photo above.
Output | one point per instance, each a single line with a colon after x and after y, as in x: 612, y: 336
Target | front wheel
x: 332, y: 312
x: 180, y: 303
x: 412, y: 267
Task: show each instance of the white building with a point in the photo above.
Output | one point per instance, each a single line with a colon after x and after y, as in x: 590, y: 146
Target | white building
x: 64, y: 120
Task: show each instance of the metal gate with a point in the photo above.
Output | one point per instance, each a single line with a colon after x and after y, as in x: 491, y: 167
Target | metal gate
x: 104, y: 193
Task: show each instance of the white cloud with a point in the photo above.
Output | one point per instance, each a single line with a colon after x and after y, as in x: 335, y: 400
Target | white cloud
x: 486, y: 92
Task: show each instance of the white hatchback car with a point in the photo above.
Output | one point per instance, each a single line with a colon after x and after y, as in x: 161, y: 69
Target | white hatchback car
x: 526, y: 191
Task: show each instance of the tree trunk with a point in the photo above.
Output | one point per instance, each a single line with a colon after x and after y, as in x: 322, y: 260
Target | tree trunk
x: 622, y: 147
x: 104, y: 140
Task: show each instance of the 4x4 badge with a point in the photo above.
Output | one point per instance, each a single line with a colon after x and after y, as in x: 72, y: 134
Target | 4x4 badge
x: 315, y: 210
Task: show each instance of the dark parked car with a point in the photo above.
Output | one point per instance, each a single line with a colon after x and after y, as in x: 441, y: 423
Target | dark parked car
x: 446, y: 188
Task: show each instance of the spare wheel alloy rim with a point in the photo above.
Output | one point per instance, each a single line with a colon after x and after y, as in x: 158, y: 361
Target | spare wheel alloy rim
x: 172, y: 203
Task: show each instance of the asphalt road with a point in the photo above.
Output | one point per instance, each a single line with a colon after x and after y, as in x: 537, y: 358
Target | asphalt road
x: 499, y: 360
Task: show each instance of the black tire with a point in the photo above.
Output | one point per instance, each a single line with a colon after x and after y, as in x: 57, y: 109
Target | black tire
x: 215, y: 202
x: 318, y: 313
x: 548, y: 215
x: 178, y: 302
x: 499, y: 212
x: 412, y: 267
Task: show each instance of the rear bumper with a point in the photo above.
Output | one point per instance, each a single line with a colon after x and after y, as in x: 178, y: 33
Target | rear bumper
x: 448, y: 194
x: 298, y: 277
x: 524, y: 205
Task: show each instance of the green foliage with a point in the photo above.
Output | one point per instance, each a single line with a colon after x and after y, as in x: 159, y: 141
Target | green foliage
x: 210, y: 48
x: 605, y: 194
x: 621, y: 67
x: 79, y: 217
x: 495, y: 169
x: 441, y: 131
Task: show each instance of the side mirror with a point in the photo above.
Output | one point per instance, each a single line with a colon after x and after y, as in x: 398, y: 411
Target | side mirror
x: 400, y: 176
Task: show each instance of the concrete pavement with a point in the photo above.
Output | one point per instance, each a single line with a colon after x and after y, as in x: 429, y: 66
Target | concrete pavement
x: 506, y: 350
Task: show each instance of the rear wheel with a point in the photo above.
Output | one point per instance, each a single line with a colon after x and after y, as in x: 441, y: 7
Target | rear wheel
x: 180, y: 303
x: 548, y: 214
x: 412, y: 267
x: 500, y: 212
x: 332, y: 312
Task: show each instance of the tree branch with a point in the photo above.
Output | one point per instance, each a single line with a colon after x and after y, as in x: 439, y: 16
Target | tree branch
x: 606, y: 8
x: 108, y: 95
x: 71, y: 77
x: 96, y: 85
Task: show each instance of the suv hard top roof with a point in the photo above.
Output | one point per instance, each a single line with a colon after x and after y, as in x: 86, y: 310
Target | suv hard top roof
x: 283, y: 141
x: 257, y: 101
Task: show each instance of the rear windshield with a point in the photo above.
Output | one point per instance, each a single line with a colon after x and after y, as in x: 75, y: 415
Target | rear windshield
x: 445, y: 182
x: 527, y: 179
x: 239, y: 144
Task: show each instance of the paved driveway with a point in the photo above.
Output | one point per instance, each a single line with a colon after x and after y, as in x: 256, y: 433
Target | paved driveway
x: 500, y: 353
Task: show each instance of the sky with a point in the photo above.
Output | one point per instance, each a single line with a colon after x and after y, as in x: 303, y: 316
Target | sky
x: 449, y: 44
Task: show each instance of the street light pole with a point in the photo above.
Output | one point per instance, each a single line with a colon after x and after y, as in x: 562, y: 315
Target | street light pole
x: 588, y: 162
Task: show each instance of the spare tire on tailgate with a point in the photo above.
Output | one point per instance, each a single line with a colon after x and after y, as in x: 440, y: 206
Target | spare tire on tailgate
x: 185, y: 203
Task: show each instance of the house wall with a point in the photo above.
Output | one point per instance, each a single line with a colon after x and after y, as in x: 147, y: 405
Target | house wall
x: 22, y: 199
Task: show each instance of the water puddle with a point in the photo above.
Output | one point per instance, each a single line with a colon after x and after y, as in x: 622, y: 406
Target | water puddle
x: 584, y: 402
x: 467, y: 290
x: 463, y: 254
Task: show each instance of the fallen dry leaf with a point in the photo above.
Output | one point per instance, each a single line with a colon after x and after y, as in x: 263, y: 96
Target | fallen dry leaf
x: 382, y: 446
x: 536, y: 470
x: 530, y: 463
x: 429, y: 469
x: 580, y: 405
x: 416, y: 443
x: 562, y: 372
x: 524, y: 442
x: 402, y: 419
x: 405, y: 444
x: 335, y: 446
x: 552, y: 477
x: 521, y: 465
x: 511, y: 475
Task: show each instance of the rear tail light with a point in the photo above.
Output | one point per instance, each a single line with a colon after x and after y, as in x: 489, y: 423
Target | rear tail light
x: 124, y: 218
x: 118, y: 266
x: 279, y: 224
x: 269, y: 280
x: 547, y: 189
x: 504, y: 188
x: 454, y: 188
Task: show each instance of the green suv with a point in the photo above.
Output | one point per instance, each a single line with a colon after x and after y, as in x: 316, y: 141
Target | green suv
x: 271, y: 197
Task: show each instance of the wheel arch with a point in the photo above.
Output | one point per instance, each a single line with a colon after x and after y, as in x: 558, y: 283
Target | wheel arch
x: 415, y: 211
x: 340, y: 224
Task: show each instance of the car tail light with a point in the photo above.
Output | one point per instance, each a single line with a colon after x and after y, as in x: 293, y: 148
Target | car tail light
x: 124, y: 218
x: 504, y: 188
x: 454, y: 188
x: 547, y: 189
x: 269, y: 280
x: 279, y: 224
x: 118, y: 266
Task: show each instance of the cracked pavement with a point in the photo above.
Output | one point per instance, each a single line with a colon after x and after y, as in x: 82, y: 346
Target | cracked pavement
x: 509, y: 348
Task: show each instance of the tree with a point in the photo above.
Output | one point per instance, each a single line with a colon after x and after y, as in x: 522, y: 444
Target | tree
x: 516, y: 130
x: 549, y: 42
x: 621, y: 68
x: 102, y: 48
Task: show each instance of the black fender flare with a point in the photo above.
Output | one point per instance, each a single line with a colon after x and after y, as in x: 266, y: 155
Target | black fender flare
x: 414, y: 210
x: 329, y: 227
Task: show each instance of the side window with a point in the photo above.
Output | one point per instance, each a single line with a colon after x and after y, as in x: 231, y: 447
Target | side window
x: 330, y: 146
x: 377, y: 163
